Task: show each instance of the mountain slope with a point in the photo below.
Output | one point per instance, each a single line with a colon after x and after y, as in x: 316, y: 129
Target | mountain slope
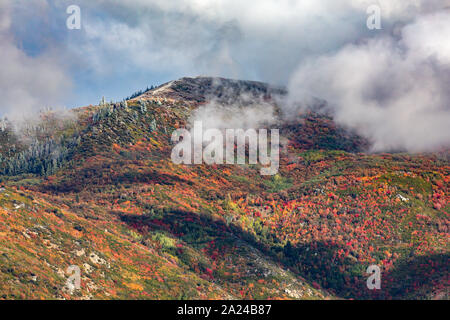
x: 101, y: 192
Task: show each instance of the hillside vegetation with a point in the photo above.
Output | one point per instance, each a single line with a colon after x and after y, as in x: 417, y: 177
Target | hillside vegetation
x: 98, y: 190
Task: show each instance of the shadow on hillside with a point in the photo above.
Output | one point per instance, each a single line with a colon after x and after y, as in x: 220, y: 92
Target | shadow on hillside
x: 313, y: 262
x: 414, y: 278
x: 418, y: 277
x: 85, y: 179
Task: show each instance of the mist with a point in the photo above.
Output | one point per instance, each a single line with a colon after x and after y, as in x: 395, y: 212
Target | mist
x: 393, y: 89
x: 28, y: 84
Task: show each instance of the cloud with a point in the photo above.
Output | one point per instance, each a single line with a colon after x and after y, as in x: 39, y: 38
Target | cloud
x: 227, y: 38
x: 215, y: 115
x: 392, y: 90
x: 5, y: 19
x: 27, y: 84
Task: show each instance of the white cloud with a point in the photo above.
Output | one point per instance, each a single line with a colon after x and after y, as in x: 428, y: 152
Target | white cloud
x: 233, y: 116
x: 27, y: 84
x: 428, y: 37
x: 268, y: 39
x: 395, y: 92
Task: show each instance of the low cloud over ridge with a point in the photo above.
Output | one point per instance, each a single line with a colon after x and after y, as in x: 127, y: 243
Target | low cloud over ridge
x: 392, y: 89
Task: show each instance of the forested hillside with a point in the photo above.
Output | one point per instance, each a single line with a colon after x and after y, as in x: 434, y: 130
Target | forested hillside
x: 97, y: 189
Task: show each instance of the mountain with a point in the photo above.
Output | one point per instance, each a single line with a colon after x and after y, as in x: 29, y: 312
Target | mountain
x: 97, y: 189
x: 202, y: 89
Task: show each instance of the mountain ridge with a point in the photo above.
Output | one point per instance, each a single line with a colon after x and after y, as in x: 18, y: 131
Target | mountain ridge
x: 200, y: 88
